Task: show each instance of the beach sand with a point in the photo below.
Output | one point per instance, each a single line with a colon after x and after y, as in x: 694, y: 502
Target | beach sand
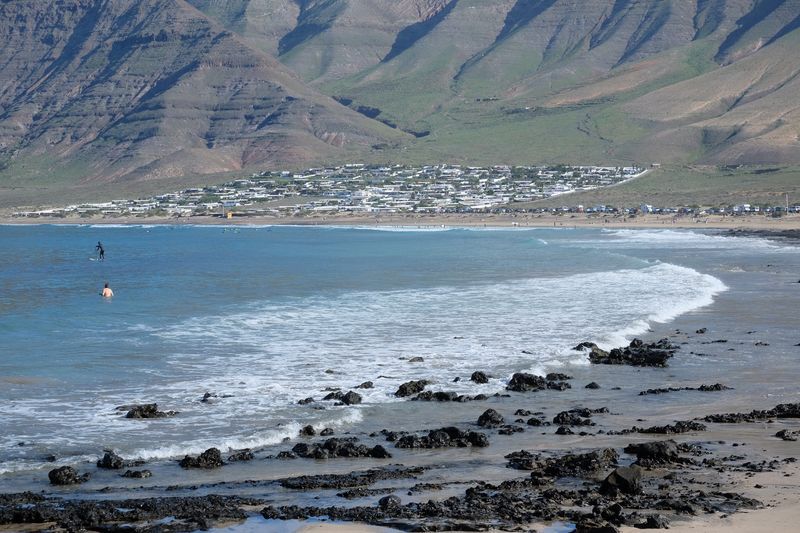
x: 779, y: 490
x: 582, y: 220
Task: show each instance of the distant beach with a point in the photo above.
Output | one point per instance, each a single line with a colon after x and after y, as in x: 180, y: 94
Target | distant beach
x: 748, y: 221
x: 400, y: 376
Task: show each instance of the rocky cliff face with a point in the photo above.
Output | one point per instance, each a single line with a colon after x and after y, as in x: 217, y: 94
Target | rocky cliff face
x: 118, y: 90
x: 416, y: 63
x: 155, y: 89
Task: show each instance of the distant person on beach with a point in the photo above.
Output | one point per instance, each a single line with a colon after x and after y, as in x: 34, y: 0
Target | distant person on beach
x: 101, y: 253
x: 107, y: 292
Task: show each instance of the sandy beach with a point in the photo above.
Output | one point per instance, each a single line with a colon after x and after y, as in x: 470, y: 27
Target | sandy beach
x: 580, y: 220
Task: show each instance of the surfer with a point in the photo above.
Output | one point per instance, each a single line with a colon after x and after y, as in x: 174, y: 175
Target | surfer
x: 101, y: 253
x: 107, y: 292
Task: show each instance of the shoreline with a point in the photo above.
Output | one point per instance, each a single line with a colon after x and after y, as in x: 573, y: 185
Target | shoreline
x: 521, y: 220
x: 459, y: 472
x: 750, y: 485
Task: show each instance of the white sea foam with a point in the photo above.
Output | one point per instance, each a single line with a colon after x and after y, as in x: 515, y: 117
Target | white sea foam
x: 361, y: 335
x: 684, y: 239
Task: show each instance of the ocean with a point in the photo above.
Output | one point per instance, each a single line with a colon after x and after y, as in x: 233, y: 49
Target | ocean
x: 260, y: 317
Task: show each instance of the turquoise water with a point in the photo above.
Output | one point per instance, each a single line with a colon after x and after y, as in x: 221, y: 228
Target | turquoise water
x: 264, y: 316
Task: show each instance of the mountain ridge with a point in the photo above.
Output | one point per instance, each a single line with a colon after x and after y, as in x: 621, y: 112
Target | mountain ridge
x: 95, y: 91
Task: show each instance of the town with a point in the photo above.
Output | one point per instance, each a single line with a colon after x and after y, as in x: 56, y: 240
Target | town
x: 370, y: 189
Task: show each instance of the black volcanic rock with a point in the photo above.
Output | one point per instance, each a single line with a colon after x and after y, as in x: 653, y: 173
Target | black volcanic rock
x: 241, y: 455
x: 626, y: 479
x: 349, y: 398
x: 522, y: 382
x: 339, y: 447
x: 148, y: 410
x: 569, y: 464
x: 490, y: 418
x: 137, y: 474
x: 784, y: 410
x: 578, y: 417
x: 389, y: 502
x: 411, y: 387
x: 637, y: 353
x: 447, y: 437
x: 211, y: 458
x: 479, y: 377
x: 682, y: 426
x: 655, y: 452
x: 66, y: 475
x: 111, y: 461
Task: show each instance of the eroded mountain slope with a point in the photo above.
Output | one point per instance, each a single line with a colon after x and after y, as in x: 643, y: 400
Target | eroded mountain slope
x: 101, y: 89
x: 105, y: 89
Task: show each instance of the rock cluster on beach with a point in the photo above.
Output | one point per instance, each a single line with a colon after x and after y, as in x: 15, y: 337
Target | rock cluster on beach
x: 211, y: 458
x: 702, y: 388
x: 148, y: 410
x: 446, y: 437
x: 632, y: 482
x: 786, y: 410
x: 66, y: 475
x: 338, y: 447
x: 637, y: 353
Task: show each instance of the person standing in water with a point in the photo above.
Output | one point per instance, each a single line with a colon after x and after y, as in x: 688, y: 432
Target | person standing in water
x: 107, y: 292
x: 101, y: 253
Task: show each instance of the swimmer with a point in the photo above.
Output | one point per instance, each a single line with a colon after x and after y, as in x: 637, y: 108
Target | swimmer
x: 107, y: 292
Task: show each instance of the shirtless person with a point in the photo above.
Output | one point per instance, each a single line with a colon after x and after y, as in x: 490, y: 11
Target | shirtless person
x: 107, y: 292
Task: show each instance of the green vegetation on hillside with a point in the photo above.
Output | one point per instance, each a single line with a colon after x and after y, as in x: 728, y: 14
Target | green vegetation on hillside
x: 695, y: 185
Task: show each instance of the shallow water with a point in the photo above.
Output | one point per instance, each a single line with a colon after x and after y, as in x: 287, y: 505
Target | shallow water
x: 265, y: 316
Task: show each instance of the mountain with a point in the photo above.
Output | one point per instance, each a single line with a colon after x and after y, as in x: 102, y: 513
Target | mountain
x: 122, y: 92
x: 97, y: 91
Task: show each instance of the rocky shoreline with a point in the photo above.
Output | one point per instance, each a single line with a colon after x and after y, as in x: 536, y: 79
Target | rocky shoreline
x: 642, y: 477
